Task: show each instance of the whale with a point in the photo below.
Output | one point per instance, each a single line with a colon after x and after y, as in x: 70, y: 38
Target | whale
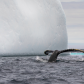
x: 55, y: 53
x: 29, y: 27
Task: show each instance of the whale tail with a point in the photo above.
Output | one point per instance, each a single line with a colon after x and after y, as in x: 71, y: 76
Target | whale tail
x: 55, y: 53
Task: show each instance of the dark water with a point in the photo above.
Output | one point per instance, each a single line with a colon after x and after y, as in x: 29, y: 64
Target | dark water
x: 28, y: 70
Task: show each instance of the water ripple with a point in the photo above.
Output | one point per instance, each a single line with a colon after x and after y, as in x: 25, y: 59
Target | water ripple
x: 27, y: 70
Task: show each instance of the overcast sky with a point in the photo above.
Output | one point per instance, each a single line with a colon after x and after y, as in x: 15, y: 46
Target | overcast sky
x: 75, y: 23
x: 72, y: 0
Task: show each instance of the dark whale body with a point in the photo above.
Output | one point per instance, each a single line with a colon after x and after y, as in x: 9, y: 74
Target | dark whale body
x: 55, y: 53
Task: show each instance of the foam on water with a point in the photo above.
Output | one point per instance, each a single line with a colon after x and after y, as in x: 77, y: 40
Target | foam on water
x: 41, y: 59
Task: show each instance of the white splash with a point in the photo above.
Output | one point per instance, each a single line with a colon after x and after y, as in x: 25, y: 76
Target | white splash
x: 41, y: 59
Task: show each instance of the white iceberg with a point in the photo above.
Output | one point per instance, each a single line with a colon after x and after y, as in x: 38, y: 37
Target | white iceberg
x: 29, y: 27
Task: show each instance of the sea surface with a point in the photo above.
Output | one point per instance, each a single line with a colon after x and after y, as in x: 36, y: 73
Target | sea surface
x: 30, y: 70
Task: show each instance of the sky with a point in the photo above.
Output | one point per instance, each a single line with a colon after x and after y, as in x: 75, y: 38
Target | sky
x: 72, y: 0
x: 75, y: 22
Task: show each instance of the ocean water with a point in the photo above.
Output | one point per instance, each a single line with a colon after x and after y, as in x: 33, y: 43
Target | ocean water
x: 30, y: 70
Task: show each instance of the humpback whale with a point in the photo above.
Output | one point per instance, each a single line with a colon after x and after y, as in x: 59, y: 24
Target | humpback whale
x: 54, y: 55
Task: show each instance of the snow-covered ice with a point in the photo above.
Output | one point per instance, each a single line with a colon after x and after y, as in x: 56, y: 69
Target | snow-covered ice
x: 31, y: 26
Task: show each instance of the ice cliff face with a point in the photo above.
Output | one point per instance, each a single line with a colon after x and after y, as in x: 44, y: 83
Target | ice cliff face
x: 31, y: 26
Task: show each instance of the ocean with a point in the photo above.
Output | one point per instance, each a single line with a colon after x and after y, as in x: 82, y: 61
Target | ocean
x: 29, y: 70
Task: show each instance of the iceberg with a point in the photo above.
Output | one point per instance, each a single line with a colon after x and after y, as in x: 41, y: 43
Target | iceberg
x: 29, y: 27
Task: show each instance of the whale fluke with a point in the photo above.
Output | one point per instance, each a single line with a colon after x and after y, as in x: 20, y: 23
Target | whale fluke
x: 55, y: 53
